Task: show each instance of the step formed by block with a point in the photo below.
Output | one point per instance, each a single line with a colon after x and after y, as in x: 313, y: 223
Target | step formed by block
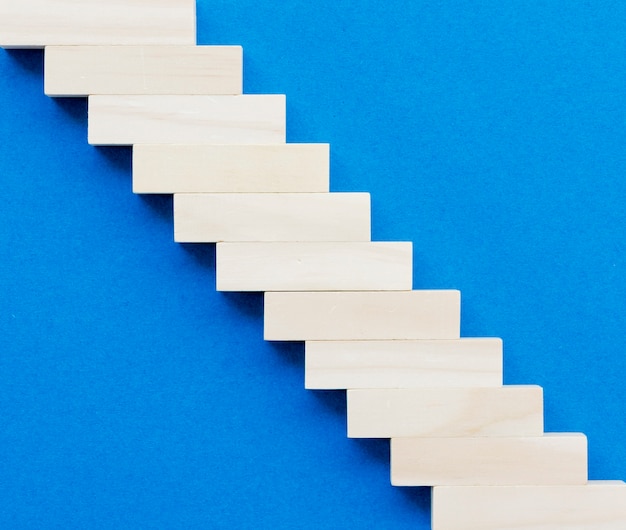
x: 272, y: 168
x: 552, y: 459
x: 210, y: 218
x: 39, y: 23
x: 362, y: 315
x: 403, y: 363
x: 445, y: 412
x: 599, y: 505
x: 314, y: 266
x: 128, y: 120
x: 135, y: 70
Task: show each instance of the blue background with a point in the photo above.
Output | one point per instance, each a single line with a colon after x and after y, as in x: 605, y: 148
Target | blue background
x: 133, y: 396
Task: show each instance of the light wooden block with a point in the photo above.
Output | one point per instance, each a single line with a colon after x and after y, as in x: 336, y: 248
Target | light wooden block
x: 598, y: 505
x: 210, y: 218
x: 346, y: 266
x: 445, y: 412
x: 134, y: 70
x: 277, y: 168
x: 128, y: 120
x: 552, y: 459
x: 39, y: 23
x: 362, y: 315
x: 403, y: 363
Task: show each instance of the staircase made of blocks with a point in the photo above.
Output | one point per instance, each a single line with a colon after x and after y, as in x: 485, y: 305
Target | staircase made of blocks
x: 398, y: 353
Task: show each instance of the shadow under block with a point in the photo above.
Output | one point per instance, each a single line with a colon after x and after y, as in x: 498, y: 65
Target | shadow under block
x: 362, y: 315
x: 314, y: 266
x: 334, y: 365
x: 552, y: 459
x: 211, y: 218
x: 278, y: 168
x: 598, y: 505
x: 445, y: 412
x: 39, y: 23
x: 128, y: 120
x: 134, y: 70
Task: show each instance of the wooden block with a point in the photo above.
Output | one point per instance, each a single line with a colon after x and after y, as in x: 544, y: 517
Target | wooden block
x: 346, y: 266
x: 39, y: 23
x: 209, y: 218
x: 403, y: 363
x: 231, y: 168
x: 128, y: 120
x: 445, y: 412
x: 598, y: 505
x: 363, y: 315
x: 133, y: 70
x: 552, y: 459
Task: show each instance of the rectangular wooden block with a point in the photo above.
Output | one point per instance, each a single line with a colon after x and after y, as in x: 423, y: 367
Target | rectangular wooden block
x: 403, y: 363
x: 314, y: 266
x: 271, y: 168
x: 210, y: 218
x: 598, y: 505
x: 445, y: 412
x: 363, y: 315
x: 128, y: 120
x: 552, y: 459
x: 150, y: 70
x: 39, y: 23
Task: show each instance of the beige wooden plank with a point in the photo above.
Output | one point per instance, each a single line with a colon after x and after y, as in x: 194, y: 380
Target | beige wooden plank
x: 272, y: 168
x: 598, y: 505
x: 552, y: 459
x: 403, y: 363
x: 445, y: 412
x: 314, y: 266
x: 149, y: 70
x: 210, y: 218
x: 362, y: 315
x: 39, y: 23
x: 128, y: 120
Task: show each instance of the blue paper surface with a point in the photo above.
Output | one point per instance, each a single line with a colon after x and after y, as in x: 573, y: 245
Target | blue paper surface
x: 134, y: 396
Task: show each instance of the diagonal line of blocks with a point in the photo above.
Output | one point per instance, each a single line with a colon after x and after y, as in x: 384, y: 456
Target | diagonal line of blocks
x: 409, y: 376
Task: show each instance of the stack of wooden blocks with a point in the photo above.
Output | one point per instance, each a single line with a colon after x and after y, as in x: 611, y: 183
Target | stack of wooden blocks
x: 409, y: 376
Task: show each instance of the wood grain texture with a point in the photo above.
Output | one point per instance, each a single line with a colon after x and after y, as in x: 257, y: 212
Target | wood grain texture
x: 135, y: 70
x: 314, y: 266
x: 445, y: 412
x: 552, y: 459
x: 599, y: 505
x: 403, y: 363
x: 210, y: 218
x: 362, y: 315
x: 39, y: 23
x: 271, y: 168
x: 128, y: 120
